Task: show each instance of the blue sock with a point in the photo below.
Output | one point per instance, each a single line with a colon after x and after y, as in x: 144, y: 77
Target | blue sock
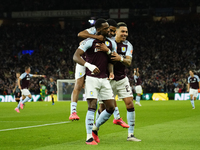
x: 18, y: 106
x: 138, y: 99
x: 73, y: 107
x: 25, y: 100
x: 131, y: 120
x: 97, y: 114
x: 116, y: 113
x: 192, y: 102
x: 103, y: 117
x: 89, y: 121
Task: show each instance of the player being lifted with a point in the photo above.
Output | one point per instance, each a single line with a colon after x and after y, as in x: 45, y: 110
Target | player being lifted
x: 80, y: 72
x: 16, y: 90
x: 96, y: 79
x: 193, y: 86
x: 43, y: 90
x: 120, y: 84
x: 52, y: 89
x: 138, y: 87
x: 26, y: 95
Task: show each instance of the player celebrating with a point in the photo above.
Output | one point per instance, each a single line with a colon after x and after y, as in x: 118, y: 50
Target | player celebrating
x: 26, y: 95
x: 43, y: 90
x: 138, y: 87
x: 120, y: 84
x: 193, y: 86
x: 96, y: 79
x: 16, y: 90
x: 52, y: 89
x: 80, y: 72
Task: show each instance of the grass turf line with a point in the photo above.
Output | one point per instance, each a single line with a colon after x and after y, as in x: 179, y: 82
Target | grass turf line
x: 160, y: 125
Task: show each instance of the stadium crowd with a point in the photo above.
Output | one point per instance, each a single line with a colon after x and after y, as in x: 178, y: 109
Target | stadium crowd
x: 164, y: 53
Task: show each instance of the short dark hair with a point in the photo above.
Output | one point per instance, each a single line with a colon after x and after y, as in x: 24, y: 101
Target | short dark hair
x: 99, y: 22
x: 121, y: 24
x: 27, y: 67
x: 112, y: 22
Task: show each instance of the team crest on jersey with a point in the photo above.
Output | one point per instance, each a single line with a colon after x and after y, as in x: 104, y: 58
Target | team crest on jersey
x: 80, y: 74
x: 91, y: 93
x: 107, y: 43
x: 123, y: 49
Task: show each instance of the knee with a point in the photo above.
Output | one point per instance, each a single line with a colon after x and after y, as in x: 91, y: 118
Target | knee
x: 110, y: 109
x: 129, y: 104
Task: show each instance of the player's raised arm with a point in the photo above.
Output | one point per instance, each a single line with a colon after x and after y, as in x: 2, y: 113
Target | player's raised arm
x: 90, y: 33
x: 35, y: 75
x: 137, y: 72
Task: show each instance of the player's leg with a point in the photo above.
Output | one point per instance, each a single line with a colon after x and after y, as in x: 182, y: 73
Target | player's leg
x: 101, y: 108
x: 130, y: 118
x: 103, y: 117
x: 192, y: 95
x: 74, y: 97
x: 105, y: 92
x: 138, y: 90
x: 18, y: 106
x: 80, y: 78
x: 117, y: 119
x: 89, y: 121
x: 52, y: 98
x: 92, y: 92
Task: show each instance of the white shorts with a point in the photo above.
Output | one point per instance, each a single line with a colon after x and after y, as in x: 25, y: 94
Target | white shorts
x: 80, y: 71
x: 122, y: 88
x: 193, y: 92
x: 138, y: 89
x: 98, y: 86
x: 25, y: 92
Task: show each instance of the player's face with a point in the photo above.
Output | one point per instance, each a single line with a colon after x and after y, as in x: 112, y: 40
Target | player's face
x: 17, y: 75
x: 191, y: 73
x: 28, y: 70
x: 122, y: 33
x: 112, y: 31
x: 51, y: 79
x: 104, y: 30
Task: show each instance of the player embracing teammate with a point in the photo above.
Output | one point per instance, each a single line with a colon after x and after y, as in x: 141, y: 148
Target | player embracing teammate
x: 96, y: 77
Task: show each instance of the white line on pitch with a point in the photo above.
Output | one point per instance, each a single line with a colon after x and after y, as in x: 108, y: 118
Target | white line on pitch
x: 42, y: 125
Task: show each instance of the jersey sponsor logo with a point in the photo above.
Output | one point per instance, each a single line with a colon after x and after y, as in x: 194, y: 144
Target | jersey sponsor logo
x: 107, y: 43
x: 123, y: 49
x: 28, y: 78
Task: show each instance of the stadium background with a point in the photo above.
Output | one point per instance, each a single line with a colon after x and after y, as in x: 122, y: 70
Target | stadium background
x: 43, y: 34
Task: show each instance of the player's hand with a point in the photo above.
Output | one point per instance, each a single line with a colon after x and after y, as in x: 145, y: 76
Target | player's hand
x: 19, y: 87
x: 115, y: 57
x: 187, y: 90
x: 111, y: 76
x: 102, y: 47
x: 100, y: 37
x: 137, y: 69
x: 43, y: 76
x: 96, y: 71
x: 134, y: 69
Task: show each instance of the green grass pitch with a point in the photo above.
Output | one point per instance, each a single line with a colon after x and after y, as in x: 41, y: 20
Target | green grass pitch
x: 162, y: 125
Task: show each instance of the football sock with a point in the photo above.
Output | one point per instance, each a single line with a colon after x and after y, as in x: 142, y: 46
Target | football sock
x: 89, y: 121
x: 18, y: 106
x: 192, y: 102
x: 25, y: 100
x: 138, y: 99
x: 103, y: 117
x: 73, y: 107
x: 131, y: 120
x: 97, y: 114
x: 116, y: 113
